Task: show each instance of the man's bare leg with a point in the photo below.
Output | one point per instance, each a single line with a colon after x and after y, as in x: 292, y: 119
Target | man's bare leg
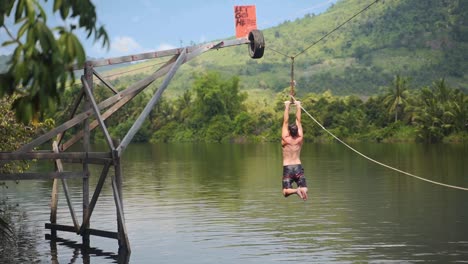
x: 288, y: 192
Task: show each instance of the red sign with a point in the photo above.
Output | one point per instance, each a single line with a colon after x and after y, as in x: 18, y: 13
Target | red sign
x: 246, y: 20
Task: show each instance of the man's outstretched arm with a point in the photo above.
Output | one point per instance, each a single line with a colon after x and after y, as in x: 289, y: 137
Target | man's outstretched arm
x: 298, y: 118
x: 284, y: 130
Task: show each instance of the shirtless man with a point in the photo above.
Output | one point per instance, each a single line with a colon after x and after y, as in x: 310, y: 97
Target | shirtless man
x: 291, y: 141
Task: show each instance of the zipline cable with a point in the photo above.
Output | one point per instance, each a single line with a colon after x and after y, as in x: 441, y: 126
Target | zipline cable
x: 326, y: 35
x: 293, y: 82
x: 378, y: 162
x: 338, y: 27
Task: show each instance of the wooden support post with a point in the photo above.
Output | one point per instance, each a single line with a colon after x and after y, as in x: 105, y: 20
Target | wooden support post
x: 96, y: 194
x: 90, y: 96
x: 53, y: 207
x: 59, y: 167
x: 88, y: 72
x: 146, y: 111
x: 120, y: 99
x: 121, y: 229
x: 106, y: 83
x: 72, y: 114
x: 124, y: 243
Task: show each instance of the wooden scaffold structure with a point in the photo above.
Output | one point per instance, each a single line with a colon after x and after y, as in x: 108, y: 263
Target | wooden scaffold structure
x: 94, y: 115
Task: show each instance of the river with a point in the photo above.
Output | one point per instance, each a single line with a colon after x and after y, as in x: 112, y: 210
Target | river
x: 222, y: 203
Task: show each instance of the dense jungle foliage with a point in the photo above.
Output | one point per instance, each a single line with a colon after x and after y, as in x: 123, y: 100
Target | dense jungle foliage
x: 214, y: 109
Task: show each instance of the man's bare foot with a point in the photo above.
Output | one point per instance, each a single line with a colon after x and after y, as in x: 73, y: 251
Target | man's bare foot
x: 302, y: 192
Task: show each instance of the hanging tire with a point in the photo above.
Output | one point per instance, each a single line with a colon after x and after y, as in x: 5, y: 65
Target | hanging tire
x: 257, y: 44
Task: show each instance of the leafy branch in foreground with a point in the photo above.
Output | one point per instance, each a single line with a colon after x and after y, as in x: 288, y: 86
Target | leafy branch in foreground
x: 43, y: 58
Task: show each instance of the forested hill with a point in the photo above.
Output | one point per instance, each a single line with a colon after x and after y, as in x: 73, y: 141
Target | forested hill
x: 421, y: 39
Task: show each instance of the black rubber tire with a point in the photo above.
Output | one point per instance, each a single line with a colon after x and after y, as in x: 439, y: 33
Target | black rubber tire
x: 257, y: 44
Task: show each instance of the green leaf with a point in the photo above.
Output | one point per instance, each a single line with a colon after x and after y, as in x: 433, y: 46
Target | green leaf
x: 64, y: 10
x: 78, y: 48
x: 23, y: 29
x: 57, y: 5
x: 42, y: 13
x: 30, y: 11
x: 19, y: 10
x: 6, y: 43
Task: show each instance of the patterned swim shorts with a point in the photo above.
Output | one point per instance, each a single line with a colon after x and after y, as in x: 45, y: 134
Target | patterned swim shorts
x: 293, y: 173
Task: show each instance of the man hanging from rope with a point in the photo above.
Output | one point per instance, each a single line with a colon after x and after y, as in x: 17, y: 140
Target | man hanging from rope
x: 291, y: 141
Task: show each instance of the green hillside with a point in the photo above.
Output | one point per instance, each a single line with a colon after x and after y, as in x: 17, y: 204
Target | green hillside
x: 421, y: 39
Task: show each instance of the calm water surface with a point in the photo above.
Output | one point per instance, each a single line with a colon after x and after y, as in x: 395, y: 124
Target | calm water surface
x: 219, y: 203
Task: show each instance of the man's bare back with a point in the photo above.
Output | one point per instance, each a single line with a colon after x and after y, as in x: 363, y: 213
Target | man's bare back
x: 291, y: 140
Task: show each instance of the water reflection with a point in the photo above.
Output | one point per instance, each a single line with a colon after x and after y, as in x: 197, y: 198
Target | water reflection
x: 214, y: 203
x: 84, y: 253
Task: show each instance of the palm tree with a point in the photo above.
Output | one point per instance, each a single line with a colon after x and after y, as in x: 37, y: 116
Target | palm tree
x: 395, y: 98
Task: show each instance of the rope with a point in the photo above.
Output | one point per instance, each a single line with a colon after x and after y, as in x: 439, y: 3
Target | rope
x: 293, y: 82
x: 380, y: 163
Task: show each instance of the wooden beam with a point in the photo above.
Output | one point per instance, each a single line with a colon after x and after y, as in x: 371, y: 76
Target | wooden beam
x: 165, y: 53
x: 123, y: 236
x: 9, y: 156
x: 88, y: 72
x: 106, y: 83
x: 150, y: 105
x: 59, y: 167
x: 53, y: 206
x: 93, y: 232
x: 96, y: 194
x: 123, y: 98
x: 95, y: 108
x: 72, y: 114
x: 58, y: 227
x: 39, y: 176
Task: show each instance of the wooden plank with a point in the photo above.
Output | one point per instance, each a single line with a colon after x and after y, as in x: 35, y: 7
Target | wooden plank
x: 72, y: 114
x: 95, y: 108
x: 120, y: 100
x: 137, y: 86
x: 106, y: 83
x: 165, y: 53
x: 119, y: 183
x: 150, y: 105
x: 58, y: 227
x: 9, y: 156
x: 123, y: 235
x: 88, y: 72
x: 39, y: 176
x: 93, y: 232
x: 97, y: 192
x: 102, y: 233
x: 70, y: 205
x: 59, y: 166
x: 53, y: 206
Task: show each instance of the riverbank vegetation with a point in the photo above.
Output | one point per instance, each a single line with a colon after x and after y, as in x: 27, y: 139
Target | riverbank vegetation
x: 214, y: 109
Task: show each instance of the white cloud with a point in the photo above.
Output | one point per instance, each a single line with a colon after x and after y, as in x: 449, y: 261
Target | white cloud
x: 125, y: 45
x: 122, y: 46
x: 165, y: 46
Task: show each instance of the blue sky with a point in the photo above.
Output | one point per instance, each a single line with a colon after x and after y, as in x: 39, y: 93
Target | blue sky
x: 147, y: 25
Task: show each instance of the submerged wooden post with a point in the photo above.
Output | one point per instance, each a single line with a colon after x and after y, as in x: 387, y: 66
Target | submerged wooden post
x: 53, y: 207
x: 124, y: 244
x: 88, y: 73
